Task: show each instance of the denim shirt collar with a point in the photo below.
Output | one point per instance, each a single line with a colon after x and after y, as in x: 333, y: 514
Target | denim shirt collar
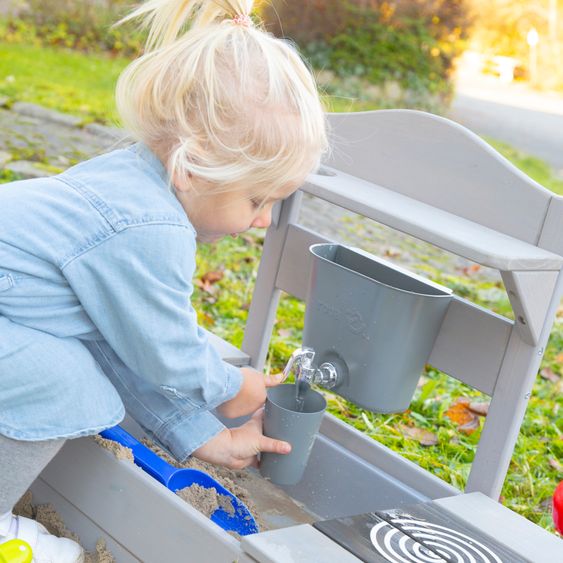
x: 144, y: 152
x: 148, y: 156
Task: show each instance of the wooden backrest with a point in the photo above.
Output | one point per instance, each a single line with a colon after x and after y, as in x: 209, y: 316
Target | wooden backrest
x: 439, y: 162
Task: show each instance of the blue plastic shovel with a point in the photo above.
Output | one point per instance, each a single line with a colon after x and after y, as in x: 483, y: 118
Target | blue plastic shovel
x: 239, y: 520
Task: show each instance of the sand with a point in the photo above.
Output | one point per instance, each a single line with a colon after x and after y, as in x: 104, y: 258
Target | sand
x: 48, y: 516
x: 119, y: 451
x: 271, y: 507
x: 204, y: 500
x: 227, y: 477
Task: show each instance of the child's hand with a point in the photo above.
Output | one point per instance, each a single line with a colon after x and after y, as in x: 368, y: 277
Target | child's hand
x: 237, y: 448
x: 252, y: 394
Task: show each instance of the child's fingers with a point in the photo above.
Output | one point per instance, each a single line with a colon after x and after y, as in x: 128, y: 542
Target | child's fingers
x: 271, y: 380
x: 273, y: 446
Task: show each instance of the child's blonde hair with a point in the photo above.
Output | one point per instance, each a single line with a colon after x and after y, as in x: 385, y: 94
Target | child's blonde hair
x: 225, y: 101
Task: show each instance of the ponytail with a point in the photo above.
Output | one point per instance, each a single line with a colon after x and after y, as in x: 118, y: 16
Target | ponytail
x: 220, y: 97
x: 165, y: 19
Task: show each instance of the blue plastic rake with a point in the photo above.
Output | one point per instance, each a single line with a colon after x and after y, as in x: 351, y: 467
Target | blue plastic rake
x: 239, y: 520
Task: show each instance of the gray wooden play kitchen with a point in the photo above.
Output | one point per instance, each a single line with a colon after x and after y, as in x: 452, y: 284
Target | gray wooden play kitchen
x: 370, y: 328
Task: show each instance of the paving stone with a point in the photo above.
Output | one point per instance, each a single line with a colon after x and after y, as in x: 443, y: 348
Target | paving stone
x: 40, y: 112
x: 28, y: 169
x: 21, y: 135
x: 113, y: 133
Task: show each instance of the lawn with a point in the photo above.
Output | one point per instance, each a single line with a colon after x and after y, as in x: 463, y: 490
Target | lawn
x: 83, y: 85
x: 60, y: 79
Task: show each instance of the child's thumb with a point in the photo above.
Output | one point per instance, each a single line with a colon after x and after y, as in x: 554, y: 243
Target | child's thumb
x: 274, y: 446
x: 271, y: 380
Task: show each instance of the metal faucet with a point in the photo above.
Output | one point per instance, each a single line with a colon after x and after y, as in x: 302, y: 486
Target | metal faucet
x: 301, y: 362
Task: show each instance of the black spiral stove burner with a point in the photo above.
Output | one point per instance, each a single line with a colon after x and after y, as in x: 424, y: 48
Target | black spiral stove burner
x: 423, y: 533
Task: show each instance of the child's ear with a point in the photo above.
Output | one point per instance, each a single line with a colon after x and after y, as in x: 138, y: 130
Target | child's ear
x: 183, y: 182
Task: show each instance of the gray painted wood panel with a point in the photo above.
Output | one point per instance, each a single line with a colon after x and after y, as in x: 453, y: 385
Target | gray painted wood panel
x: 552, y: 233
x: 453, y: 233
x: 125, y: 502
x: 530, y: 541
x: 439, y: 162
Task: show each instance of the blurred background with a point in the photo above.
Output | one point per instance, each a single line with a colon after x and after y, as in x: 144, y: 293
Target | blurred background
x: 461, y: 58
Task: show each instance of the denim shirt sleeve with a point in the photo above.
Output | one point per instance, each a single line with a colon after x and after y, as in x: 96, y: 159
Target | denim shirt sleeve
x: 135, y: 285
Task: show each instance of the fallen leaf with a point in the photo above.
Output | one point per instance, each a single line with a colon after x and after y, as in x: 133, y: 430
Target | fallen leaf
x: 459, y: 411
x: 559, y: 358
x: 423, y: 437
x: 473, y: 269
x: 556, y: 465
x: 470, y: 426
x: 481, y: 409
x: 550, y: 375
x: 205, y: 319
x: 212, y: 277
x: 461, y: 414
x: 392, y: 253
x: 205, y: 283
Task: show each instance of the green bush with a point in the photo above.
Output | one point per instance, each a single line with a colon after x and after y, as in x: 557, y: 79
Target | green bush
x: 380, y: 52
x: 411, y: 43
x: 82, y: 25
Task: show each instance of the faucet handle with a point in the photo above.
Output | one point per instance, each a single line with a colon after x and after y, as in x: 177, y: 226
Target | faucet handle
x: 302, y: 357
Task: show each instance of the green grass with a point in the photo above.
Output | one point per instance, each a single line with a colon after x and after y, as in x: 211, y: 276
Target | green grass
x: 64, y: 80
x: 83, y: 85
x: 534, y: 167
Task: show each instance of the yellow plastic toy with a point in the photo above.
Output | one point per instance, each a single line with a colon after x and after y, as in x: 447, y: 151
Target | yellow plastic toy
x: 15, y: 551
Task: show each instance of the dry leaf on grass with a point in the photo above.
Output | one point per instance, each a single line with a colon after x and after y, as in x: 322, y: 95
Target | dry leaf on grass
x: 481, y: 409
x: 556, y: 465
x: 550, y: 375
x: 460, y: 413
x: 392, y: 253
x: 470, y: 426
x: 473, y: 269
x: 423, y: 437
x: 206, y: 282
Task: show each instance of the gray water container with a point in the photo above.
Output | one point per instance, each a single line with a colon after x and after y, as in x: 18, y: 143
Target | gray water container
x: 374, y: 321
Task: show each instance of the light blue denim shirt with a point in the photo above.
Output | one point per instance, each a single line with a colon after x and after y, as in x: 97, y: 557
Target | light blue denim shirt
x: 99, y: 260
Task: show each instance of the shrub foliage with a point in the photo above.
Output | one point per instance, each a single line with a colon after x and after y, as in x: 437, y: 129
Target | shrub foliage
x: 84, y: 25
x: 414, y: 42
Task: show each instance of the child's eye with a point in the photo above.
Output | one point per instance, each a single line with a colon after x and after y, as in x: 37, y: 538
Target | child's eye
x: 256, y: 203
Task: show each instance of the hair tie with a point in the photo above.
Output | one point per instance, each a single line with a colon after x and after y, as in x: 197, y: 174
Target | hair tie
x: 242, y: 19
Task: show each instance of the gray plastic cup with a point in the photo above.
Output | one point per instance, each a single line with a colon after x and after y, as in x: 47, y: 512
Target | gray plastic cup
x: 283, y: 421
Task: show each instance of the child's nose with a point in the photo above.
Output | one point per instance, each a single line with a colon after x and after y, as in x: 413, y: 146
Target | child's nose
x: 264, y: 219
